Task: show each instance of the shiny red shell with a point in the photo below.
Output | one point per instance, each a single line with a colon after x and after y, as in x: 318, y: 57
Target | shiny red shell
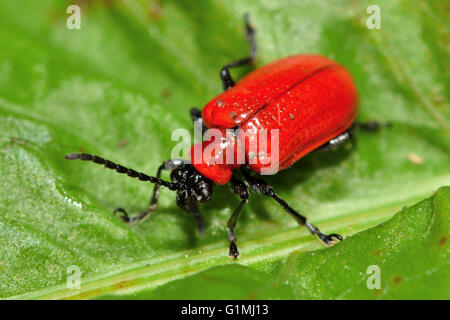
x: 310, y: 99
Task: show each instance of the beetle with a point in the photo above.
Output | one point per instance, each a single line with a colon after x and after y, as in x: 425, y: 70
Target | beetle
x: 311, y: 100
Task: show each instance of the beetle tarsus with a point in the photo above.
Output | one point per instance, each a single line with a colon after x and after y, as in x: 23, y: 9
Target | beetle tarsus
x: 233, y: 251
x: 330, y: 239
x: 125, y: 217
x: 327, y: 239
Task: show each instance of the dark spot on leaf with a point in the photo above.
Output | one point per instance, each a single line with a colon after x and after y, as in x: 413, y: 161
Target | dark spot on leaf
x: 376, y: 252
x: 397, y: 279
x: 17, y: 141
x: 442, y: 240
x: 208, y: 277
x: 378, y: 292
x: 122, y: 143
x: 82, y: 150
x: 438, y: 99
x: 155, y: 11
x: 87, y: 4
x: 122, y: 284
x: 166, y: 93
x: 251, y: 296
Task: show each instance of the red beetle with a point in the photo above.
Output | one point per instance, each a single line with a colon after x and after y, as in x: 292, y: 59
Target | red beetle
x: 308, y: 101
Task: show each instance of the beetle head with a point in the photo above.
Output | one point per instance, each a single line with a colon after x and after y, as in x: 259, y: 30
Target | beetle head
x: 195, y: 186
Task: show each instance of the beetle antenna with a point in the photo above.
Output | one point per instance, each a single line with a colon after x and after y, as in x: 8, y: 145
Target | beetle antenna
x: 121, y: 169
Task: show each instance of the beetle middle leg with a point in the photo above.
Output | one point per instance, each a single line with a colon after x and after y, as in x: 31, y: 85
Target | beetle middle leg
x: 196, y: 116
x: 189, y: 205
x: 240, y: 189
x: 260, y: 186
x: 225, y: 76
x: 166, y: 165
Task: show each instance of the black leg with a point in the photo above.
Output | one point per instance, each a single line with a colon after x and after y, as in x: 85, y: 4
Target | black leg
x: 260, y: 186
x: 339, y: 140
x: 225, y: 75
x: 372, y: 125
x: 196, y: 116
x: 240, y: 189
x: 167, y: 165
x: 350, y: 133
x: 197, y: 217
x: 189, y: 204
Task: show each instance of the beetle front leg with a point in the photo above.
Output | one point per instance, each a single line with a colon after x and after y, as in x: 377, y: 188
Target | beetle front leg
x: 166, y: 165
x: 260, y: 186
x: 225, y: 76
x: 240, y: 189
x: 198, y: 218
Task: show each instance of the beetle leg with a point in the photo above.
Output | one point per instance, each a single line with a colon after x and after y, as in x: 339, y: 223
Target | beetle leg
x: 260, y: 186
x: 225, y: 75
x: 372, y: 125
x: 339, y: 140
x: 196, y: 116
x: 189, y: 204
x: 167, y: 165
x: 240, y: 189
x: 350, y: 133
x: 197, y: 217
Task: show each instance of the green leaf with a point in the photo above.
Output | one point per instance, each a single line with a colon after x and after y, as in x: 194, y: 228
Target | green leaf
x: 224, y: 283
x: 120, y: 85
x: 409, y: 252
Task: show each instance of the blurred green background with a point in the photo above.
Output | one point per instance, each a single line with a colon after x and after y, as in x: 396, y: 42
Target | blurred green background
x: 122, y: 83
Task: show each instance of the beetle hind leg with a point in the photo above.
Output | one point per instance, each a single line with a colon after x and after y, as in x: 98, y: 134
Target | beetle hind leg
x: 327, y: 239
x: 260, y: 186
